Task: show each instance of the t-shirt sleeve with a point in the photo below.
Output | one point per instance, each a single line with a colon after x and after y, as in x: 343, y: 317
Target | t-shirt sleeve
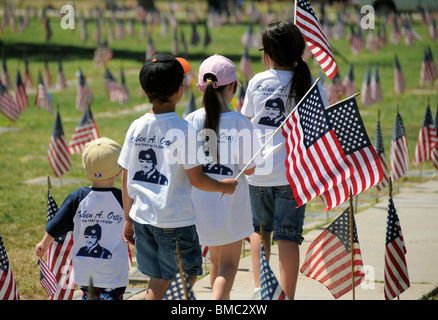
x: 123, y: 160
x: 62, y: 222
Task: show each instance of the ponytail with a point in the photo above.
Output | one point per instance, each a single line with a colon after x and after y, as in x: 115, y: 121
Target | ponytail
x: 301, y: 80
x: 212, y: 107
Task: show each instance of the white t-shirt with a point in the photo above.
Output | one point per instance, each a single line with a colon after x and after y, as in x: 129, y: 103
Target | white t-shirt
x: 265, y: 104
x: 228, y: 219
x: 157, y: 151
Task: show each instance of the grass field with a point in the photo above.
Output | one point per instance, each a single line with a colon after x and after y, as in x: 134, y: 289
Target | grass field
x: 24, y: 144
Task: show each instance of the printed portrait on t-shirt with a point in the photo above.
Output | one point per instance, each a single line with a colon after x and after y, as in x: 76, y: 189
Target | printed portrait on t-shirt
x: 274, y: 110
x: 149, y: 172
x: 92, y: 235
x: 212, y: 167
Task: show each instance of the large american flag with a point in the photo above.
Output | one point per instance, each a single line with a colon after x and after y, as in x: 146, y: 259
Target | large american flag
x: 58, y: 155
x: 7, y: 105
x: 176, y: 291
x: 84, y: 96
x: 312, y: 31
x: 8, y: 287
x: 47, y: 278
x: 315, y: 160
x: 367, y: 171
x: 378, y: 145
x: 59, y: 257
x: 396, y: 270
x: 376, y: 89
x: 399, y: 79
x: 428, y: 72
x: 366, y: 97
x: 270, y: 287
x: 399, y: 156
x: 21, y: 99
x: 42, y: 99
x: 328, y: 258
x: 85, y: 132
x: 427, y: 139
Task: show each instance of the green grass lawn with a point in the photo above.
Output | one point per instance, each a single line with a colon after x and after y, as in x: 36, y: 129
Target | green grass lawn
x: 24, y: 144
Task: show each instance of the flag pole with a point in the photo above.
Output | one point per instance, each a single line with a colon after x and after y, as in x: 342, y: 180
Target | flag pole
x: 351, y: 243
x: 181, y: 270
x: 275, y: 131
x: 295, y: 12
x: 49, y: 184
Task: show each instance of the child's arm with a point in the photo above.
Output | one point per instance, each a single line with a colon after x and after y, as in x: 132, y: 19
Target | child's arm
x: 128, y: 229
x: 200, y: 180
x: 41, y: 248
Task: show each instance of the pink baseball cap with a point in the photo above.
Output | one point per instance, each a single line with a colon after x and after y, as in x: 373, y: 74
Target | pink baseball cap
x: 221, y: 67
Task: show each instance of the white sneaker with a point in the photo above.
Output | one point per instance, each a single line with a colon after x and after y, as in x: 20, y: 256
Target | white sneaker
x: 257, y: 294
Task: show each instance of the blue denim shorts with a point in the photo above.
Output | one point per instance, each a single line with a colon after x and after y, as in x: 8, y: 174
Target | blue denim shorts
x: 276, y: 208
x: 156, y: 251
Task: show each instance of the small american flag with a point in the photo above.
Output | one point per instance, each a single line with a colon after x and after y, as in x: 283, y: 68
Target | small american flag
x: 399, y: 79
x: 191, y: 105
x: 176, y: 290
x: 58, y: 155
x: 328, y: 258
x: 353, y: 138
x: 409, y: 33
x: 245, y: 66
x: 21, y: 99
x: 47, y: 74
x: 335, y: 90
x: 84, y: 96
x: 399, y: 156
x: 312, y: 31
x: 428, y: 71
x: 356, y: 40
x: 102, y: 55
x: 315, y: 160
x: 395, y: 33
x: 85, y: 132
x: 151, y: 50
x: 196, y: 38
x: 427, y: 139
x: 42, y: 99
x: 396, y: 270
x: 433, y: 30
x: 376, y: 89
x: 366, y: 97
x: 8, y: 288
x: 116, y: 92
x: 7, y: 104
x: 59, y: 257
x: 61, y: 82
x: 349, y: 83
x: 378, y: 144
x: 47, y: 278
x: 27, y: 78
x: 5, y: 80
x: 270, y: 288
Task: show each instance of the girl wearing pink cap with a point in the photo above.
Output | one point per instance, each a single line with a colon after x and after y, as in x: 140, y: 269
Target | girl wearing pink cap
x: 271, y: 95
x: 222, y: 223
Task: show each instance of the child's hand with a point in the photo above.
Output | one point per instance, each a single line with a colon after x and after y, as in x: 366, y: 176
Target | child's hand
x: 40, y: 249
x: 229, y: 185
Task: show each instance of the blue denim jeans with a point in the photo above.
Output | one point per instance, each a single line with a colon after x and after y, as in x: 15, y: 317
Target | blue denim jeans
x: 156, y: 251
x: 276, y: 208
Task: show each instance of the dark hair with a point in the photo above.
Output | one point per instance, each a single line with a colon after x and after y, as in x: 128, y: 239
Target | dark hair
x: 283, y: 42
x: 213, y: 108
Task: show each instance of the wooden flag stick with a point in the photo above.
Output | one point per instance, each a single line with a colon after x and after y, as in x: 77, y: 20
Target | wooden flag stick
x: 275, y: 131
x: 351, y: 243
x: 49, y: 184
x: 181, y: 270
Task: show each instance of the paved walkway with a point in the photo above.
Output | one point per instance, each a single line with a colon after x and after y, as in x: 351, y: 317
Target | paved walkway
x: 417, y: 208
